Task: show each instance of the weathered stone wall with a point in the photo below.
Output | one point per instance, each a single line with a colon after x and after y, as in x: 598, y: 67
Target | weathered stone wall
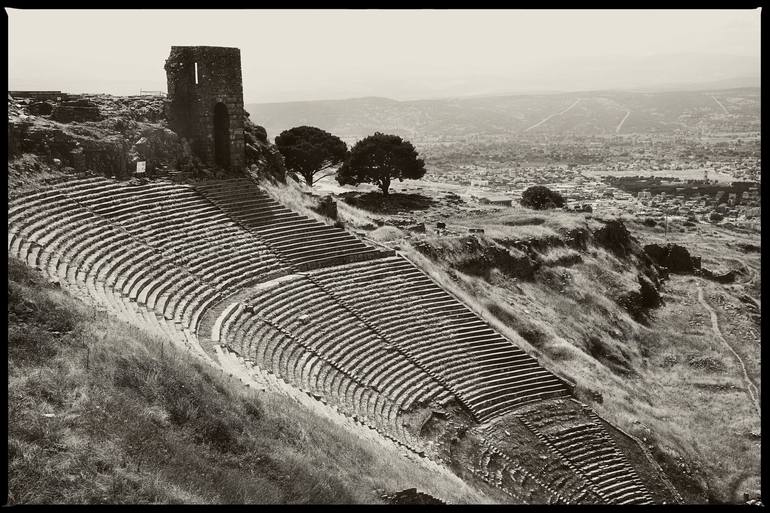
x: 190, y: 106
x: 77, y: 111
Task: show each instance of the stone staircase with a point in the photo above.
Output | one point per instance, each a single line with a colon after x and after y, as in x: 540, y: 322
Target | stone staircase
x: 307, y: 243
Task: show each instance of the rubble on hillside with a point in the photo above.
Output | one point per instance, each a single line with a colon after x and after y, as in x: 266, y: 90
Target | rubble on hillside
x: 108, y: 135
x: 479, y: 256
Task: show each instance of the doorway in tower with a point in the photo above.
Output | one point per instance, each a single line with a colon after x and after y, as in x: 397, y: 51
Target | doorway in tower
x: 221, y: 136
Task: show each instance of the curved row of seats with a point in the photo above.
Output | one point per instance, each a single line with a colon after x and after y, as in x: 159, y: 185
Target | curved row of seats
x: 305, y: 242
x: 495, y: 467
x: 590, y: 449
x: 67, y: 243
x: 297, y: 363
x: 93, y: 255
x: 586, y: 445
x: 160, y: 244
x: 336, y: 345
x: 487, y: 371
x: 179, y: 222
x: 549, y: 471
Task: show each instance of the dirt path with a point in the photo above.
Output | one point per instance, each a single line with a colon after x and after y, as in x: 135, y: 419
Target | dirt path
x: 552, y: 116
x: 628, y: 113
x: 750, y: 388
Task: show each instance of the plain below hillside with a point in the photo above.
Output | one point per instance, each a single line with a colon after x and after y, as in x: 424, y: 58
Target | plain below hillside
x: 584, y: 113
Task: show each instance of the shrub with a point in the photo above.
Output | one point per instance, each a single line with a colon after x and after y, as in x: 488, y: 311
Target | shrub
x: 540, y: 197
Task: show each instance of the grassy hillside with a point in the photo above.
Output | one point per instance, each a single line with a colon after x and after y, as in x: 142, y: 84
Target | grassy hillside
x: 668, y: 380
x: 101, y: 412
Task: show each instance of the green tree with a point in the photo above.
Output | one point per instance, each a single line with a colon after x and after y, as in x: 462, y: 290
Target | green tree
x: 540, y: 197
x: 378, y: 159
x: 308, y: 151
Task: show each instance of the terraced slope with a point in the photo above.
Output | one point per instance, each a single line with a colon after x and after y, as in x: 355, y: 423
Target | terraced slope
x: 356, y: 327
x: 304, y: 242
x: 331, y: 353
x: 487, y: 372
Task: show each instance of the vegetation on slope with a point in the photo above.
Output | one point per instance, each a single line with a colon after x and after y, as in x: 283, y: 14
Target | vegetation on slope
x: 101, y: 412
x: 664, y: 378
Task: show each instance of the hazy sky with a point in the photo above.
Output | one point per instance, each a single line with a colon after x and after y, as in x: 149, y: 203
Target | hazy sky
x: 305, y: 55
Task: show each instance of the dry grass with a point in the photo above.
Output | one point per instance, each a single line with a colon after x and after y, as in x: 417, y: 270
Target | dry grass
x: 355, y: 217
x: 386, y: 234
x: 296, y: 196
x: 560, y: 256
x: 522, y: 223
x: 98, y: 413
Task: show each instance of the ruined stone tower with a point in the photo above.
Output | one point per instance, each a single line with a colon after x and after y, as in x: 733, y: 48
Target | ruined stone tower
x: 205, y: 102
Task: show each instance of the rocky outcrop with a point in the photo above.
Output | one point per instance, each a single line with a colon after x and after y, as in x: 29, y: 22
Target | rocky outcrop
x: 478, y: 256
x: 728, y: 277
x: 327, y: 207
x: 639, y: 303
x: 108, y: 135
x: 93, y: 149
x: 578, y: 238
x: 41, y: 108
x: 615, y: 237
x: 162, y: 150
x: 77, y: 111
x: 675, y: 258
x: 263, y: 160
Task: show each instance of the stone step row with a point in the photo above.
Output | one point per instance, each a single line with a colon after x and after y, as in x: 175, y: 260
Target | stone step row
x: 71, y: 241
x: 315, y: 318
x: 489, y: 372
x: 279, y: 351
x: 587, y: 448
x: 306, y: 242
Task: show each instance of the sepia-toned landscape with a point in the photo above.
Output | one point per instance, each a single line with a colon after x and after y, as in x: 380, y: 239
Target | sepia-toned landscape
x: 529, y: 298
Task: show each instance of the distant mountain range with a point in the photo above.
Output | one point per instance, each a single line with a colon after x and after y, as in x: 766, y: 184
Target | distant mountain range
x: 584, y: 112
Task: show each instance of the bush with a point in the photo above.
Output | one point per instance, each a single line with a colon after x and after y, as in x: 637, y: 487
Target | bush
x: 539, y: 197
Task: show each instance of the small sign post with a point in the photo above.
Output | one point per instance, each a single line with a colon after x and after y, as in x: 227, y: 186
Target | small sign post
x: 141, y: 166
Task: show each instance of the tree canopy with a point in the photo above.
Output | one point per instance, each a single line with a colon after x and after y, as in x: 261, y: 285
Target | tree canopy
x: 380, y: 158
x: 308, y: 151
x: 540, y: 197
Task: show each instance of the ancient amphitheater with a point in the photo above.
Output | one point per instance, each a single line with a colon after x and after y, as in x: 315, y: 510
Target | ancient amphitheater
x: 221, y: 266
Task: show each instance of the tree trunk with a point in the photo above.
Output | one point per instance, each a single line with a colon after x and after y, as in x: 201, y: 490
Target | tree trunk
x: 385, y: 185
